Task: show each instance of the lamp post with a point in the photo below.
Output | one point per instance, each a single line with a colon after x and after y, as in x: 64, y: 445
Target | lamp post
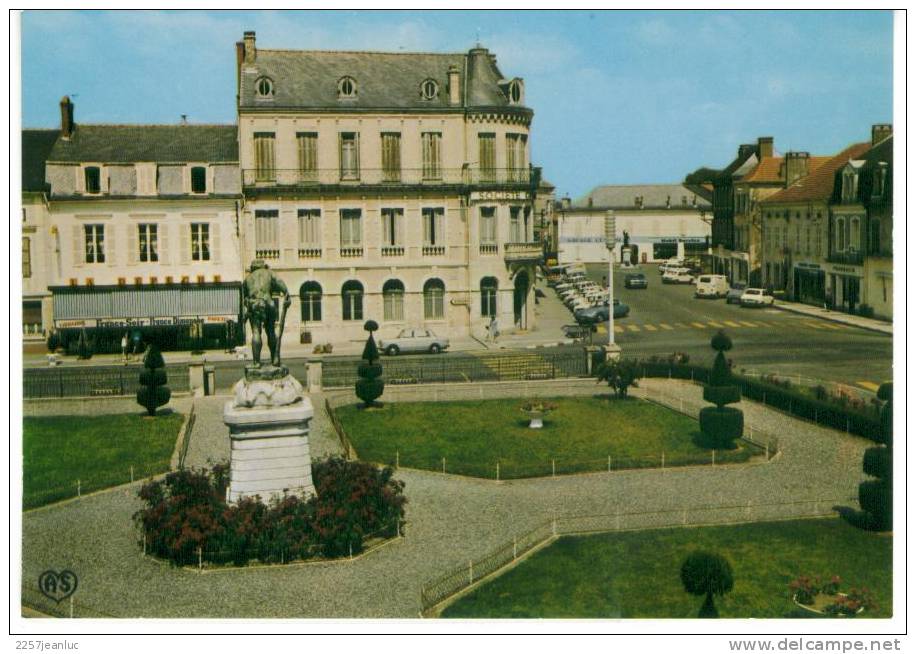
x: 610, y: 239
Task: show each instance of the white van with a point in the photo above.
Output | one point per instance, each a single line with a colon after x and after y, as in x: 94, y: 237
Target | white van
x: 670, y: 264
x: 711, y: 286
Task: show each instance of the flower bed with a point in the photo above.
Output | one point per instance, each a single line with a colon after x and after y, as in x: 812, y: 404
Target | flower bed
x: 825, y: 598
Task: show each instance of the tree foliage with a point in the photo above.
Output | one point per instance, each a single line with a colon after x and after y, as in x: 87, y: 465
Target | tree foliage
x: 620, y: 374
x: 876, y: 495
x: 153, y: 391
x: 370, y: 386
x: 709, y: 574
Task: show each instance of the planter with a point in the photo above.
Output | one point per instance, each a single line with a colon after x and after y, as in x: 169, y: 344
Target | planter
x: 536, y: 418
x: 822, y: 601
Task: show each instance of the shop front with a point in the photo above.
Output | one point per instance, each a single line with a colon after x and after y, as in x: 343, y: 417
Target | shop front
x: 846, y: 292
x: 808, y: 284
x: 186, y: 317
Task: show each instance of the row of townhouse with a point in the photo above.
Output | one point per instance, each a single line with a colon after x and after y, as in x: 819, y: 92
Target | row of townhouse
x: 817, y: 228
x: 391, y: 186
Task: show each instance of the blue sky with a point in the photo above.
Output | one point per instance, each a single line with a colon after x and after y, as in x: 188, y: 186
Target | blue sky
x: 620, y: 97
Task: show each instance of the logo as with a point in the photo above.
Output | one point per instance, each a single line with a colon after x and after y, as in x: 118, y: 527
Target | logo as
x: 57, y: 586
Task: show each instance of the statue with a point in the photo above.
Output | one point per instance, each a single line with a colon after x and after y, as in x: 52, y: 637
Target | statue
x: 259, y: 308
x: 626, y: 238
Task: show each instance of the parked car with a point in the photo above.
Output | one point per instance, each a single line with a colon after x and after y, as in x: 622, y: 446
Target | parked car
x: 735, y: 292
x: 677, y: 276
x: 413, y: 340
x: 711, y: 286
x: 670, y: 264
x: 599, y: 313
x: 756, y: 297
x: 635, y: 280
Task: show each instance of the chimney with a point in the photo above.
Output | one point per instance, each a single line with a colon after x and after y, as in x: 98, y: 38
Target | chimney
x: 764, y: 147
x: 567, y: 202
x: 745, y: 150
x: 796, y: 166
x: 880, y: 132
x: 66, y: 117
x: 239, y: 58
x: 250, y: 52
x: 454, y: 85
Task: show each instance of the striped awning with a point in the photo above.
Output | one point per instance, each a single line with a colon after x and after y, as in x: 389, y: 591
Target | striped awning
x: 146, y: 302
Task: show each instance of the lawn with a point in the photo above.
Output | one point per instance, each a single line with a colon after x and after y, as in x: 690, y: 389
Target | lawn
x: 579, y: 436
x: 96, y: 450
x: 637, y: 574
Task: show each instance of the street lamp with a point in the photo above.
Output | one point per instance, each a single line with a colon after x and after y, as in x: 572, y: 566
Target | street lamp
x: 610, y: 240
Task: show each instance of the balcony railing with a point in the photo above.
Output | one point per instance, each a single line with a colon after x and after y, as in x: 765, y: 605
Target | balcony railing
x: 850, y: 257
x: 433, y: 250
x: 351, y: 252
x: 309, y: 253
x: 32, y: 329
x: 530, y: 252
x: 466, y: 176
x: 392, y: 250
x: 489, y: 248
x: 266, y: 253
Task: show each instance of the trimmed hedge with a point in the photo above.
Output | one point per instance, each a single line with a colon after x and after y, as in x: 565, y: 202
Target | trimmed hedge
x: 722, y: 426
x: 791, y: 401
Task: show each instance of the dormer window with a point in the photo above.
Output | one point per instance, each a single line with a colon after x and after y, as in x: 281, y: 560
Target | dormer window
x: 850, y: 185
x: 93, y: 179
x: 515, y: 91
x: 429, y: 89
x: 264, y: 87
x: 198, y: 179
x: 346, y: 87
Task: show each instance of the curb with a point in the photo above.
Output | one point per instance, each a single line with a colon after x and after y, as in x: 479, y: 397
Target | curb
x: 878, y: 329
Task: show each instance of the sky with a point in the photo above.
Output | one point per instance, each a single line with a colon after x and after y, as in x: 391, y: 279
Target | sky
x: 619, y: 97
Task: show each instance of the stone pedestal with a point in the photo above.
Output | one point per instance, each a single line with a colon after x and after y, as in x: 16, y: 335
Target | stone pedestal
x: 269, y: 425
x: 612, y: 352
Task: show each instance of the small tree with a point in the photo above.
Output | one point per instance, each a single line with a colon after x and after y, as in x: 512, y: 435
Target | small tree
x: 709, y: 574
x: 619, y: 374
x: 721, y: 424
x: 876, y: 495
x: 53, y: 341
x: 369, y: 386
x: 153, y: 392
x: 83, y: 348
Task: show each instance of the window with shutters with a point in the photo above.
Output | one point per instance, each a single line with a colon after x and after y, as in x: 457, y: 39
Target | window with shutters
x: 391, y: 156
x: 433, y: 230
x: 200, y: 241
x: 93, y: 179
x: 148, y: 241
x: 432, y: 155
x: 393, y: 300
x: 95, y: 243
x: 351, y: 232
x: 840, y: 240
x: 352, y: 298
x: 434, y: 299
x: 515, y: 157
x: 310, y: 301
x: 266, y: 233
x: 307, y: 147
x: 349, y: 155
x: 26, y: 257
x: 488, y: 243
x: 392, y: 232
x: 516, y: 234
x: 198, y: 179
x: 309, y: 232
x: 264, y: 163
x: 488, y: 288
x: 487, y: 158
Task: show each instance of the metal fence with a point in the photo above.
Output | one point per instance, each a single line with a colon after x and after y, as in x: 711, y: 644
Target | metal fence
x: 446, y: 586
x: 509, y: 365
x: 94, y: 381
x: 349, y: 450
x: 69, y: 607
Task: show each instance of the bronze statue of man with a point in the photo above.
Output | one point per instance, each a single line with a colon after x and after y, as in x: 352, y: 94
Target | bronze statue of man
x: 258, y: 306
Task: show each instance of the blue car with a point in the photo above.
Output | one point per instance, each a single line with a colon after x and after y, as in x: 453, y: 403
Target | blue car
x: 593, y: 315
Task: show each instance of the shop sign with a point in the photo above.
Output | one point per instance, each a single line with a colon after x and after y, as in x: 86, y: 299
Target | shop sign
x: 74, y: 324
x: 813, y: 266
x: 161, y: 321
x: 846, y: 269
x: 485, y: 196
x: 582, y: 239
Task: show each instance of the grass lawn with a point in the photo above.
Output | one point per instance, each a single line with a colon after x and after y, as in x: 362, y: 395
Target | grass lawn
x: 96, y: 450
x: 578, y: 436
x: 637, y: 574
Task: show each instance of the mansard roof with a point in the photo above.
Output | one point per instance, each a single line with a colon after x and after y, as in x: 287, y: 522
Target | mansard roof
x: 36, y: 144
x: 148, y: 143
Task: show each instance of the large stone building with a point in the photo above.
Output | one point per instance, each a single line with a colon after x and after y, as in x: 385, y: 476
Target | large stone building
x: 141, y: 222
x: 391, y: 186
x: 660, y: 220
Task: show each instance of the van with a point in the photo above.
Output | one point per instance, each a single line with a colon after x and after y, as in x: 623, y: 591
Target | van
x: 711, y: 286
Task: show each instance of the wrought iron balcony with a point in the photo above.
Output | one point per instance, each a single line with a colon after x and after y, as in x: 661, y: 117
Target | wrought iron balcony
x: 850, y: 257
x: 429, y: 176
x: 529, y: 252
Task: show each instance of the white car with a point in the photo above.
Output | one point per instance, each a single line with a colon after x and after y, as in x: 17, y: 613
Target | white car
x: 677, y: 276
x: 670, y: 264
x: 756, y: 297
x: 413, y: 340
x: 711, y: 286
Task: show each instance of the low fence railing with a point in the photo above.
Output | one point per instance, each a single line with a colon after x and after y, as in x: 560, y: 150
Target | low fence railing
x: 460, y: 578
x: 94, y: 381
x: 348, y: 449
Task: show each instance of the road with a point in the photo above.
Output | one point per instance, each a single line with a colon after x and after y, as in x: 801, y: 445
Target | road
x: 666, y: 318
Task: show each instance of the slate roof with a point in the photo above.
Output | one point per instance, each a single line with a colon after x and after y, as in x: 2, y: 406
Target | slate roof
x: 655, y: 196
x: 149, y: 143
x: 36, y: 144
x: 819, y: 184
x: 390, y: 80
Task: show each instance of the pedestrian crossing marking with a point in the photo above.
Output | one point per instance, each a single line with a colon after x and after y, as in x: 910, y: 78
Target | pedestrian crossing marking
x: 715, y: 324
x: 813, y: 325
x: 698, y: 325
x: 731, y: 323
x: 633, y: 328
x: 830, y: 326
x: 651, y: 328
x: 680, y: 325
x: 665, y: 325
x: 601, y: 329
x: 748, y: 323
x: 872, y: 386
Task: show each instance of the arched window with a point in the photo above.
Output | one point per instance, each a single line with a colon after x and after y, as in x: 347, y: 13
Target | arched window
x: 393, y: 300
x: 515, y: 92
x: 434, y: 299
x: 429, y: 89
x: 310, y: 301
x: 346, y: 87
x: 488, y: 287
x: 352, y: 298
x: 840, y: 240
x: 854, y: 234
x: 264, y: 87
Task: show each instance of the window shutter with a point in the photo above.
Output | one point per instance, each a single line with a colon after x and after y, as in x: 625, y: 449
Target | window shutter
x: 399, y: 227
x: 185, y: 243
x: 344, y: 231
x: 340, y: 152
x: 215, y: 253
x: 440, y: 227
x: 163, y: 241
x: 79, y: 245
x: 356, y: 153
x: 133, y: 243
x: 427, y: 219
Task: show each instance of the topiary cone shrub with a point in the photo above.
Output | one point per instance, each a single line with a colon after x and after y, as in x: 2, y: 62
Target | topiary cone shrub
x: 370, y: 386
x: 153, y: 392
x: 876, y: 495
x: 721, y: 424
x: 83, y: 348
x: 709, y: 574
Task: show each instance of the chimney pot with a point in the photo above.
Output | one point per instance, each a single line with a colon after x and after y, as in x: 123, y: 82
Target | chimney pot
x: 454, y: 85
x: 765, y: 146
x: 250, y: 50
x: 66, y: 117
x: 880, y: 131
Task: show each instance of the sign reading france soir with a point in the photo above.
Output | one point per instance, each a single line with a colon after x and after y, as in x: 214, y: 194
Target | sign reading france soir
x: 165, y: 321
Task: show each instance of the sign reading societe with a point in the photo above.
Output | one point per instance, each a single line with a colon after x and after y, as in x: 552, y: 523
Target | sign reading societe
x: 498, y: 195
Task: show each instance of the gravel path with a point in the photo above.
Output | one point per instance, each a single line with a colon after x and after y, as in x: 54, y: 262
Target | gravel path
x: 449, y: 521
